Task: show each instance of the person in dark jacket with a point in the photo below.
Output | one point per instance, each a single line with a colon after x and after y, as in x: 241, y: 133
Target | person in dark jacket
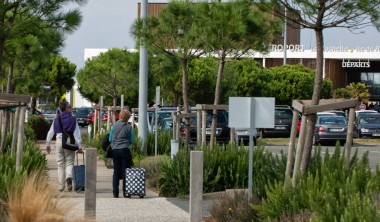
x: 65, y: 158
x: 121, y: 138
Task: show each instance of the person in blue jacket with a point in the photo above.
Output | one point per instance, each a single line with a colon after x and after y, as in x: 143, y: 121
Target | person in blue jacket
x: 121, y: 138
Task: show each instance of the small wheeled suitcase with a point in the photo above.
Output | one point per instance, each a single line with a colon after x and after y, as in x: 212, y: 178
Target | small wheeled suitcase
x: 79, y: 175
x: 134, y: 182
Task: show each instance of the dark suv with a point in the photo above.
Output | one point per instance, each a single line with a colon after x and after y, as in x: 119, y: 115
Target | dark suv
x: 81, y: 115
x: 222, y: 129
x: 283, y: 117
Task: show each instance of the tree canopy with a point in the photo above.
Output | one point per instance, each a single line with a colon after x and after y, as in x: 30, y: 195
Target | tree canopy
x: 111, y: 74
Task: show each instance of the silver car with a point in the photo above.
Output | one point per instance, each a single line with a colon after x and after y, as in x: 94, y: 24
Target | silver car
x: 330, y: 129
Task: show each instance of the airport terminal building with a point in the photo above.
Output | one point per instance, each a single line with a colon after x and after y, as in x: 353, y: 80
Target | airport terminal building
x: 343, y: 65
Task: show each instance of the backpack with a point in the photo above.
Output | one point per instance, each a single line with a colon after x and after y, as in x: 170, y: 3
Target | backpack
x: 106, y: 142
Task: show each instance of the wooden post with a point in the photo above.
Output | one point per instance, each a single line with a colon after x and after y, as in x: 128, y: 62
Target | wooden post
x: 20, y: 139
x: 15, y: 131
x: 350, y: 133
x: 204, y: 119
x: 178, y: 125
x: 95, y: 123
x: 90, y: 183
x: 108, y: 119
x: 100, y: 114
x: 293, y: 136
x: 299, y: 153
x: 199, y: 122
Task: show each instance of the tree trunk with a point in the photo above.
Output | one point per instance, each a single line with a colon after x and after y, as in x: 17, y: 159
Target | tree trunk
x: 185, y: 99
x: 114, y: 110
x: 33, y: 105
x: 6, y: 121
x: 314, y: 101
x: 2, y: 41
x: 218, y: 91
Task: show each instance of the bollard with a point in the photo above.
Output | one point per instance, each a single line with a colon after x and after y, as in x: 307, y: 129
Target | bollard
x: 196, y: 186
x: 90, y: 184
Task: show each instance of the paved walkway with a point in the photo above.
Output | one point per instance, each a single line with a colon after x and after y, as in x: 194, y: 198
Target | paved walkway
x: 135, y: 209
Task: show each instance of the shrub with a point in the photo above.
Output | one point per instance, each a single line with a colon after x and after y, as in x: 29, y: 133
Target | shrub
x: 224, y: 168
x: 39, y: 125
x: 328, y: 191
x: 33, y: 161
x: 227, y: 208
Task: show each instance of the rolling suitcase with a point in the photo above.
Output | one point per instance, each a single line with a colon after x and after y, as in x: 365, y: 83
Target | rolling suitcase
x: 78, y: 175
x: 134, y: 182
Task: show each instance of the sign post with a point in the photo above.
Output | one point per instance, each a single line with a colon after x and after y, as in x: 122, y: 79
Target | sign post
x: 251, y: 112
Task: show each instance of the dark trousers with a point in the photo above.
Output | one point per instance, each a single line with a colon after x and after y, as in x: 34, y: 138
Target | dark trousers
x: 122, y: 159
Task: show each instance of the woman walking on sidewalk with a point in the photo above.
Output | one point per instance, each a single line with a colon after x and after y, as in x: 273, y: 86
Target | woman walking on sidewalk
x: 65, y: 157
x: 121, y: 136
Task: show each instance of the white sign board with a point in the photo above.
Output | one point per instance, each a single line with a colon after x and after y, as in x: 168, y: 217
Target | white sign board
x: 247, y: 112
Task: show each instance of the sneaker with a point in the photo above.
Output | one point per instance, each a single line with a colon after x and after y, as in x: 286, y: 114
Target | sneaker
x: 62, y: 188
x: 69, y: 182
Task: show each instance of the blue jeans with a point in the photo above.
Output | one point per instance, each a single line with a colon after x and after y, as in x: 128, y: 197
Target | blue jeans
x: 122, y: 159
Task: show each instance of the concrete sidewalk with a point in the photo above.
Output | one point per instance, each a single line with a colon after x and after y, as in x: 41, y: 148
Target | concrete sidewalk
x: 150, y: 208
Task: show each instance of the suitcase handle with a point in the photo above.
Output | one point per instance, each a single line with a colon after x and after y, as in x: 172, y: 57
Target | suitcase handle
x: 78, y: 158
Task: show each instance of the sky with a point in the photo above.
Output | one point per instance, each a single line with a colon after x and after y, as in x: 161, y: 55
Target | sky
x: 107, y: 23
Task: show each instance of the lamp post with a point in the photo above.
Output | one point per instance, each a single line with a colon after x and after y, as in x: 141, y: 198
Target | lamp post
x: 143, y: 85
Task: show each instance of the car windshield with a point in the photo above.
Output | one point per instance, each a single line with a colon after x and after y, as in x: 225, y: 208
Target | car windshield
x: 49, y: 111
x: 329, y: 120
x: 370, y: 120
x: 82, y: 112
x: 283, y: 114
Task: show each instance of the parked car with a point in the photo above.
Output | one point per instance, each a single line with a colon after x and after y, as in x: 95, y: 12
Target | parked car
x: 90, y: 117
x: 330, y: 129
x: 283, y: 117
x: 367, y: 126
x: 242, y: 135
x: 325, y: 113
x: 162, y: 113
x: 105, y: 116
x: 335, y: 112
x: 365, y: 112
x: 165, y: 124
x: 49, y: 114
x: 222, y: 129
x: 81, y: 115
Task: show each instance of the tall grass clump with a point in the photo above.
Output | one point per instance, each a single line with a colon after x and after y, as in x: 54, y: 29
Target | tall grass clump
x: 328, y: 192
x: 225, y: 167
x: 33, y: 160
x: 35, y: 201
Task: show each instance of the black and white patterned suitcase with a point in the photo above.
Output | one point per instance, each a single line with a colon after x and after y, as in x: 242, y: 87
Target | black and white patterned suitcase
x: 135, y: 182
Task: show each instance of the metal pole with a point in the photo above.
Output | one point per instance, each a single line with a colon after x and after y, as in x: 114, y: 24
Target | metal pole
x: 143, y: 85
x: 285, y: 36
x: 250, y: 164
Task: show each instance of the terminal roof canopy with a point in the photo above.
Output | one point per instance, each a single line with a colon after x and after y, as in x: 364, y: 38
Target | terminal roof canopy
x: 8, y: 100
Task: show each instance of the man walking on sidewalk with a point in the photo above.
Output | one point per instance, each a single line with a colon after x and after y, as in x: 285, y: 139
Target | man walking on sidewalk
x: 66, y: 122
